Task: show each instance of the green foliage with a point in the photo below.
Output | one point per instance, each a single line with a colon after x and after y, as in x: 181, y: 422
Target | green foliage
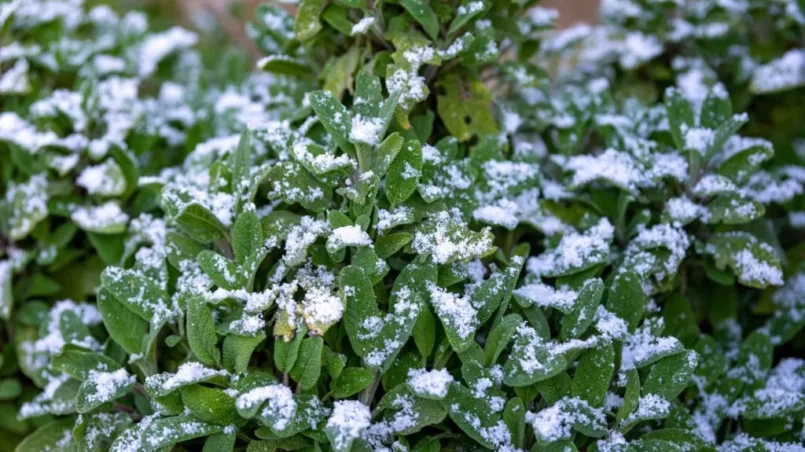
x: 415, y: 226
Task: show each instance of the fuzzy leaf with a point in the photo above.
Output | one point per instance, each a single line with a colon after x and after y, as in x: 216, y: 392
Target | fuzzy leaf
x: 210, y: 405
x: 124, y: 326
x: 351, y: 381
x: 421, y: 11
x: 307, y: 368
x: 669, y: 376
x: 593, y: 373
x: 201, y: 333
x: 465, y: 108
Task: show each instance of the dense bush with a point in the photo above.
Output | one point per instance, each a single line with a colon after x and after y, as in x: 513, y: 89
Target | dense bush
x: 418, y: 226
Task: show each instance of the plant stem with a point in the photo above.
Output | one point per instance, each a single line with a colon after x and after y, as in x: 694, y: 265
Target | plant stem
x: 369, y: 393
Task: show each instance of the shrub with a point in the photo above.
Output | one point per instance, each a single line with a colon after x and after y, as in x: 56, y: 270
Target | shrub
x: 432, y: 226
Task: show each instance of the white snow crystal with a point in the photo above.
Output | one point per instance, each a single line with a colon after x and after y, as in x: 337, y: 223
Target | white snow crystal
x: 362, y: 26
x: 433, y: 383
x: 348, y: 420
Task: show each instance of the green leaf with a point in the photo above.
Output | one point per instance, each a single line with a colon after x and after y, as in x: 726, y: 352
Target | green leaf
x: 387, y: 152
x: 389, y: 244
x: 427, y: 445
x: 555, y: 388
x: 104, y: 219
x: 220, y: 442
x: 593, y: 374
x: 180, y: 247
x: 124, y: 326
x: 238, y: 351
x: 755, y: 263
x: 716, y: 108
x: 97, y: 431
x: 685, y: 439
x: 754, y: 359
x: 290, y: 182
x: 199, y: 223
x: 712, y: 362
x: 6, y: 294
x: 741, y: 164
x: 649, y: 407
x: 201, y: 334
x: 403, y: 174
x: 47, y: 437
x: 733, y: 209
x: 669, y: 376
x: 10, y: 389
x: 277, y: 223
x: 351, y: 381
x: 247, y: 236
x: 335, y: 362
x: 471, y: 414
x: 465, y: 108
x: 400, y: 398
x: 774, y: 403
x: 531, y: 360
x: 368, y: 95
x: 338, y: 17
x: 447, y: 240
x: 286, y: 353
x: 680, y: 320
x: 425, y: 332
x: 338, y: 73
x: 78, y: 363
x: 369, y: 330
x: 361, y: 305
x: 297, y: 442
x: 583, y: 314
x: 584, y: 419
x: 223, y: 272
x: 499, y: 337
x: 564, y: 445
x: 680, y: 115
x: 406, y: 302
x: 631, y: 397
x: 307, y: 24
x: 514, y: 417
x: 27, y: 206
x: 307, y: 368
x: 285, y: 65
x: 143, y: 295
x: 465, y: 13
x: 108, y: 246
x: 626, y: 298
x: 724, y: 132
x: 421, y: 11
x: 103, y: 387
x: 165, y: 432
x: 239, y: 165
x: 334, y: 117
x: 211, y: 405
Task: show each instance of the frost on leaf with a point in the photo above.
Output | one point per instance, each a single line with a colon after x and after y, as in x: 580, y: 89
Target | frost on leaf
x: 560, y: 419
x: 641, y: 251
x: 575, y: 252
x: 346, y: 423
x: 755, y: 263
x: 546, y: 296
x: 784, y: 73
x: 446, y: 238
x: 107, y: 218
x: 27, y: 205
x: 429, y: 384
x: 274, y: 404
x: 187, y: 374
